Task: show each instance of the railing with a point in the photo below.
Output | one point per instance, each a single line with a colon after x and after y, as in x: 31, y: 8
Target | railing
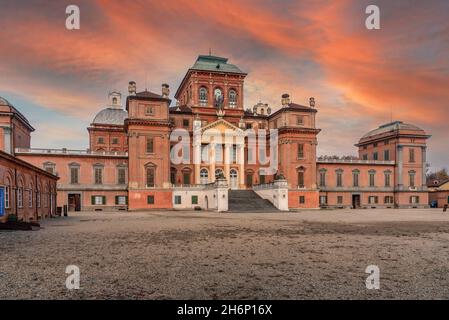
x: 355, y: 161
x: 70, y: 152
x: 272, y: 185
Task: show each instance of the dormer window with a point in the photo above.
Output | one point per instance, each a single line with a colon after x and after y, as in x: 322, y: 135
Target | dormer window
x: 232, y: 98
x: 203, y: 96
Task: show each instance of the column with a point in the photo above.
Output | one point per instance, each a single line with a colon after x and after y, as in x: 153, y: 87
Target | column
x: 400, y: 167
x: 424, y: 162
x: 197, y: 161
x: 227, y: 162
x: 212, y: 162
x: 241, y: 163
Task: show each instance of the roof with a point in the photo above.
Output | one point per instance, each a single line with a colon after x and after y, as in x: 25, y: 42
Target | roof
x: 16, y: 113
x: 392, y: 127
x: 437, y: 182
x: 146, y: 95
x: 293, y: 107
x: 114, y: 116
x: 180, y: 109
x: 214, y: 63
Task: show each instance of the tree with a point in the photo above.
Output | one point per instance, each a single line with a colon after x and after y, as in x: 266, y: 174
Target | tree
x: 438, y: 175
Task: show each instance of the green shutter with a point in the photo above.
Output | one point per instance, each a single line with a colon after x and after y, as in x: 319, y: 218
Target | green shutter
x: 104, y: 200
x: 92, y: 200
x: 126, y: 199
x: 116, y: 199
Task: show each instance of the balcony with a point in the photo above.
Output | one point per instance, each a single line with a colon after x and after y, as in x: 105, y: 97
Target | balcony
x: 65, y: 151
x: 355, y: 161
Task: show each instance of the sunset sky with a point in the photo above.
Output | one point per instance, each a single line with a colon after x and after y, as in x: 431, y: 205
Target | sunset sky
x: 360, y: 78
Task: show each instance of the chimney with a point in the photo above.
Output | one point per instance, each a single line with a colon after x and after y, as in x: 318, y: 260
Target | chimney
x: 165, y: 90
x: 132, y: 88
x: 312, y: 102
x: 285, y: 100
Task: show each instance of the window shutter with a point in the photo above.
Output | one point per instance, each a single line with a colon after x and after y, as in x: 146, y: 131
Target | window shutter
x: 104, y: 200
x: 116, y: 199
x: 126, y: 199
x: 92, y: 200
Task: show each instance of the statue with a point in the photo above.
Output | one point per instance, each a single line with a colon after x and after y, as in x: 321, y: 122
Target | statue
x: 218, y: 98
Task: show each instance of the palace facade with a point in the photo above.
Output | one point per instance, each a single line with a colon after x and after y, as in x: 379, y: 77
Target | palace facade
x: 130, y: 164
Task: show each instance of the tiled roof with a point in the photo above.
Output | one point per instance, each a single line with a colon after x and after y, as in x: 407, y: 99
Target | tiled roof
x: 391, y: 127
x: 114, y: 116
x: 213, y: 63
x: 182, y: 109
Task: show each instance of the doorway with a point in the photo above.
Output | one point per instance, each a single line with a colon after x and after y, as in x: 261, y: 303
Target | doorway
x: 234, y: 179
x: 249, y: 180
x: 356, y: 201
x: 74, y: 202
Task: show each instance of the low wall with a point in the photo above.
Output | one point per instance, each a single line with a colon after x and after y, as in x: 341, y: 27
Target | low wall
x: 208, y: 197
x: 275, y: 192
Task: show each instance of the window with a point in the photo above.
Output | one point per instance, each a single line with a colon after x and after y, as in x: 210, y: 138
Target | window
x: 375, y: 156
x: 411, y: 155
x: 185, y: 123
x: 365, y: 157
x: 98, y: 175
x: 411, y: 176
x: 114, y: 100
x: 173, y: 176
x: 150, y: 145
x: 249, y: 155
x: 302, y: 199
x: 203, y: 96
x: 218, y: 153
x: 121, y: 175
x: 372, y: 176
x: 204, y: 176
x: 150, y: 199
x: 49, y: 167
x: 339, y: 178
x: 339, y: 199
x: 20, y: 197
x: 232, y: 98
x: 414, y: 199
x: 150, y: 176
x: 98, y: 200
x: 300, y: 120
x: 300, y: 151
x: 149, y: 110
x: 30, y: 197
x: 249, y: 125
x: 74, y: 175
x: 38, y: 198
x: 121, y: 200
x: 261, y: 179
x: 7, y: 196
x: 100, y: 140
x: 301, y: 179
x: 114, y: 140
x: 387, y: 179
x: 375, y: 144
x: 387, y: 142
x: 388, y: 200
x: 373, y: 199
x: 194, y: 199
x: 387, y: 155
x: 323, y: 200
x: 178, y: 199
x: 322, y: 178
x: 355, y: 178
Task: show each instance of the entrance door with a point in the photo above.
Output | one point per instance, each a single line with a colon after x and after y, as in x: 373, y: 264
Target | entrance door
x: 355, y: 201
x: 234, y: 179
x: 74, y: 202
x: 249, y: 180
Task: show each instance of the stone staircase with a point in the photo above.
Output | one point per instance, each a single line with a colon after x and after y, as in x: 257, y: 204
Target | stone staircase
x: 248, y: 201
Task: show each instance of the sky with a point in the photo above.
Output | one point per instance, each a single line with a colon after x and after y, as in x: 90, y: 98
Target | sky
x: 360, y: 78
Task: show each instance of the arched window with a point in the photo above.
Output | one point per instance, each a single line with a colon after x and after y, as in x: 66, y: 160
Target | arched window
x: 114, y: 101
x: 30, y: 196
x: 262, y: 111
x: 7, y: 193
x: 20, y: 194
x: 203, y: 96
x: 232, y: 98
x: 204, y: 176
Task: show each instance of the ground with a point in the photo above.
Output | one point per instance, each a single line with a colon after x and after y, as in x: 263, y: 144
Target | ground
x: 205, y: 255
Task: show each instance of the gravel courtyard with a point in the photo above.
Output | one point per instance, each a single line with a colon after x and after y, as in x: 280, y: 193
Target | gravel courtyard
x: 205, y: 255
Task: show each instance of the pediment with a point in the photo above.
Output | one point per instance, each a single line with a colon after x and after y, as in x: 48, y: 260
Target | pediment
x: 223, y: 127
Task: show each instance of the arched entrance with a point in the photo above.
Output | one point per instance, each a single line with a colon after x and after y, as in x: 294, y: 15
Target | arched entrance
x: 234, y: 179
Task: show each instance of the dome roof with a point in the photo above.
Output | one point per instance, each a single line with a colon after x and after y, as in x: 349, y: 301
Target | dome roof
x: 392, y: 126
x: 114, y: 116
x: 4, y: 102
